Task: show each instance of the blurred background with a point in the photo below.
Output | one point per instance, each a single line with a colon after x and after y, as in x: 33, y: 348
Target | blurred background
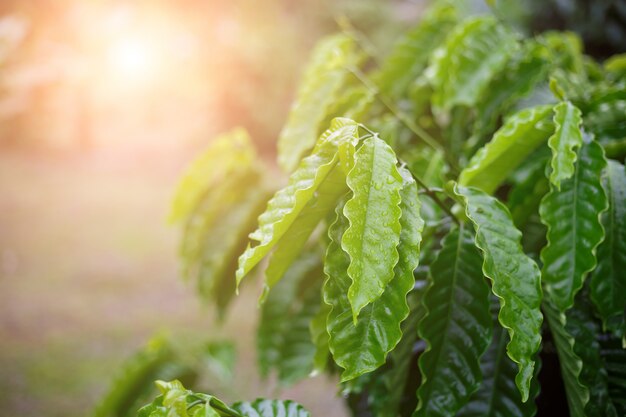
x: 102, y: 104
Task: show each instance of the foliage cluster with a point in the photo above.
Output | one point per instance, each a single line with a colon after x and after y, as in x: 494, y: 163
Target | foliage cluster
x: 459, y: 205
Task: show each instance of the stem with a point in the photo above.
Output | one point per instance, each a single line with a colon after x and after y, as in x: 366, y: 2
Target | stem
x: 361, y: 40
x: 412, y: 126
x: 432, y: 194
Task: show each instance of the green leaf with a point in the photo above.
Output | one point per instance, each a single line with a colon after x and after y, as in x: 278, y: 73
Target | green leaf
x: 520, y: 135
x: 230, y: 152
x: 473, y: 53
x: 608, y: 281
x: 283, y: 338
x: 572, y: 216
x: 389, y: 389
x: 498, y: 396
x: 320, y: 338
x: 270, y: 408
x: 522, y: 73
x: 319, y: 88
x: 277, y: 312
x: 571, y: 365
x: 456, y: 327
x: 293, y: 241
x: 581, y: 325
x: 362, y: 347
x: 410, y: 55
x: 564, y: 142
x: 529, y: 186
x: 223, y: 241
x: 614, y: 356
x: 374, y: 216
x: 221, y: 359
x: 177, y: 401
x: 285, y: 207
x: 516, y: 278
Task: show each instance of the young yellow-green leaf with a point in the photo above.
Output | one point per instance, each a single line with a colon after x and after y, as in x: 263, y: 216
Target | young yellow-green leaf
x: 567, y: 138
x: 571, y: 365
x: 410, y: 55
x: 374, y: 214
x: 290, y: 246
x: 177, y: 401
x: 520, y: 135
x: 572, y: 216
x: 498, y: 396
x: 363, y: 347
x: 210, y: 212
x: 456, y: 327
x: 223, y: 241
x: 284, y: 208
x: 473, y: 53
x: 270, y: 408
x: 516, y: 278
x: 608, y: 280
x: 232, y: 151
x: 319, y: 88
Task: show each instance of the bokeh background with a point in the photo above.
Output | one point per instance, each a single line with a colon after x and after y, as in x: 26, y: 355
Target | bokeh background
x: 102, y: 104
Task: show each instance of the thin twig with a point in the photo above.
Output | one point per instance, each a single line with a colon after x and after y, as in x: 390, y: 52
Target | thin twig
x: 408, y: 122
x: 346, y: 26
x: 432, y: 194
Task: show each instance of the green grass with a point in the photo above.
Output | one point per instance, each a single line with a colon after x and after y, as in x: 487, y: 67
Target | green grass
x: 88, y: 272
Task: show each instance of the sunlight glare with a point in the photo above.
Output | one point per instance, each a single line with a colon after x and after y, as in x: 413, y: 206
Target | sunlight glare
x: 133, y: 60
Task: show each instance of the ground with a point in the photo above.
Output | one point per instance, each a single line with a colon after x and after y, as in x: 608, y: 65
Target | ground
x: 88, y: 272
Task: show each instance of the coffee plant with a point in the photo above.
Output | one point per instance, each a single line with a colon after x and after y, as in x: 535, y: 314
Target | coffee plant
x: 451, y: 235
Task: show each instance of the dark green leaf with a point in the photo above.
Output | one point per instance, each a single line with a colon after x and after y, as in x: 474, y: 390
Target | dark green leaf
x: 608, y: 281
x: 456, y: 327
x: 498, y: 396
x: 516, y: 279
x: 572, y: 216
x: 571, y: 364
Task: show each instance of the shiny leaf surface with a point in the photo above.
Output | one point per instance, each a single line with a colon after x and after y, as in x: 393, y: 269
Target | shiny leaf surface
x: 572, y: 216
x: 374, y: 214
x: 608, y: 281
x: 456, y: 327
x: 516, y: 279
x: 567, y: 138
x: 284, y: 208
x: 473, y: 53
x: 363, y: 347
x: 520, y: 135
